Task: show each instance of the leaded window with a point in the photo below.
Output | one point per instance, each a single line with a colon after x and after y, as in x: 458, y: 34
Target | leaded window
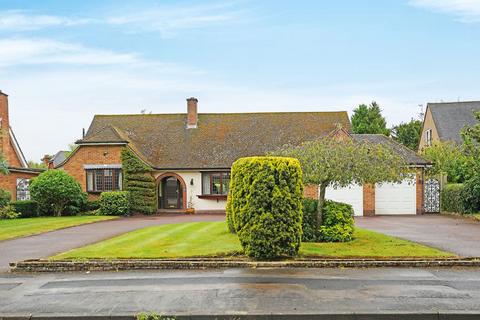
x: 23, y: 192
x: 99, y: 180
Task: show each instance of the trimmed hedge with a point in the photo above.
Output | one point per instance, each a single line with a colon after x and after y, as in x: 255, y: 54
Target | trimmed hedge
x: 309, y: 221
x: 26, y: 208
x: 114, y: 203
x: 139, y: 183
x: 265, y: 206
x: 452, y: 198
x: 338, y: 224
x: 5, y: 198
x: 471, y: 194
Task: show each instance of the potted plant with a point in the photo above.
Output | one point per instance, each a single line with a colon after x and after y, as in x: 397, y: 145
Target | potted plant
x: 190, y: 208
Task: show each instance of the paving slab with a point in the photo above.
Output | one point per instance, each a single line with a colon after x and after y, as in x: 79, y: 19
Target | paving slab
x: 47, y: 244
x: 457, y: 235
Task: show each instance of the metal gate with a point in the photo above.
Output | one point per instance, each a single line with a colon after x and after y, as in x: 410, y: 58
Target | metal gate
x: 432, y: 196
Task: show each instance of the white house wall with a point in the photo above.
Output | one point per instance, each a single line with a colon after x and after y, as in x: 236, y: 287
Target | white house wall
x: 196, y: 189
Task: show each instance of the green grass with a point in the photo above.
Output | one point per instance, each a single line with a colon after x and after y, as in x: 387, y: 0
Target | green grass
x: 209, y: 239
x: 15, y: 228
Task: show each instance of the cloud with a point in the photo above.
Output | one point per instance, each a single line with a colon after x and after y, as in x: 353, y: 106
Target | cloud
x: 21, y: 51
x: 18, y: 20
x: 166, y: 20
x: 467, y: 11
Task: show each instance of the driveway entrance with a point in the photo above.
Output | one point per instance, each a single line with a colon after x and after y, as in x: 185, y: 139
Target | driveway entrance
x: 457, y: 235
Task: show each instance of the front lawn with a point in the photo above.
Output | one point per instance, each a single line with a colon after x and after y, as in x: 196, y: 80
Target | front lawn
x: 15, y: 228
x: 212, y: 239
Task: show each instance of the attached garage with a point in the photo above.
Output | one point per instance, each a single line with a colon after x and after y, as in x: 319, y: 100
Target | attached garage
x: 392, y: 198
x: 352, y: 195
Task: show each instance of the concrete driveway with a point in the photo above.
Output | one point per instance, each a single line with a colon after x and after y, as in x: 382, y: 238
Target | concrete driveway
x: 457, y: 235
x: 50, y: 243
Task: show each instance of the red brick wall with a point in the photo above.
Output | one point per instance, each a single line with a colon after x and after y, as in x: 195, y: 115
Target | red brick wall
x: 310, y: 191
x: 91, y: 155
x: 369, y: 200
x: 419, y: 185
x: 9, y: 182
x: 6, y: 145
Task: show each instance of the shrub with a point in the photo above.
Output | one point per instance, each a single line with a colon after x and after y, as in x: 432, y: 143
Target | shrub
x: 114, y: 203
x: 452, y: 198
x: 5, y: 197
x: 26, y: 208
x: 265, y: 206
x: 55, y: 190
x: 471, y: 194
x: 309, y: 221
x: 139, y: 183
x: 338, y: 223
x: 92, y: 205
x: 8, y: 212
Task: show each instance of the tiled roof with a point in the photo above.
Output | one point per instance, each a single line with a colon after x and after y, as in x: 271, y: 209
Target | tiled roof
x: 451, y: 117
x: 409, y: 156
x: 164, y: 141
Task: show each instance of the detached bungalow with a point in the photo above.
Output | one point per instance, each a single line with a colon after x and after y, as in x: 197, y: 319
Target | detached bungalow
x: 17, y: 182
x: 191, y: 154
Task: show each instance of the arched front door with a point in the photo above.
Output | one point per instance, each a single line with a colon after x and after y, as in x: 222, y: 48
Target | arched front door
x: 170, y: 193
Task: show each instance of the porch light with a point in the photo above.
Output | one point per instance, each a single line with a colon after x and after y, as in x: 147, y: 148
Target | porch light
x: 191, y: 182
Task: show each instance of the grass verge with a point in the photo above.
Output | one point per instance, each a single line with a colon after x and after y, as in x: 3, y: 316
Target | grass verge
x: 209, y: 239
x: 15, y: 228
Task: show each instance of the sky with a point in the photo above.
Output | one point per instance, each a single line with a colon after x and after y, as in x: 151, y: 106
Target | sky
x: 62, y: 62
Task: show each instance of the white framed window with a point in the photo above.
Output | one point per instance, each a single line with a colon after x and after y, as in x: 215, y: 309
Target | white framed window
x: 428, y: 137
x: 23, y: 192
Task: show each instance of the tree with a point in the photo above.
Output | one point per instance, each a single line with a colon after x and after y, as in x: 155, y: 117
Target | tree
x: 3, y: 164
x: 408, y: 133
x: 36, y: 165
x: 471, y: 144
x: 369, y: 119
x: 448, y: 159
x: 340, y: 163
x: 54, y: 190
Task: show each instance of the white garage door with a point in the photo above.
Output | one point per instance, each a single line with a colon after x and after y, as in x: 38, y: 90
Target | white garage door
x: 396, y: 198
x: 352, y: 195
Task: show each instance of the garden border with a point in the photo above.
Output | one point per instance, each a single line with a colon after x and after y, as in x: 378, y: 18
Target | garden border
x: 39, y: 265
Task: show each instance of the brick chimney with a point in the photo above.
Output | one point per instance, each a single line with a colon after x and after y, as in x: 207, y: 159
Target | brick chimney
x: 4, y: 125
x: 46, y: 160
x: 192, y: 114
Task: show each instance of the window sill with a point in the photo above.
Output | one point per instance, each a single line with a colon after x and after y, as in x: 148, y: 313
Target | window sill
x: 212, y: 197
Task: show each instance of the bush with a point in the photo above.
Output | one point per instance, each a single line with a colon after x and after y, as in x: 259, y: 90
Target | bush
x: 115, y: 203
x: 265, y: 206
x: 471, y: 195
x: 8, y: 212
x: 92, y: 205
x: 452, y: 198
x: 27, y: 208
x: 55, y: 191
x: 309, y: 221
x: 5, y: 197
x: 338, y: 223
x: 139, y: 183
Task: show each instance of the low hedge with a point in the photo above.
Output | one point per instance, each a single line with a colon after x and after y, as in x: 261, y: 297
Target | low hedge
x: 309, y: 220
x: 5, y: 197
x: 452, y: 198
x: 115, y: 203
x: 338, y: 224
x: 265, y: 206
x: 26, y: 208
x: 471, y: 195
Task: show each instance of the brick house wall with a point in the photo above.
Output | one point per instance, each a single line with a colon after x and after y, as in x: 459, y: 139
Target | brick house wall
x: 9, y: 182
x: 369, y: 200
x: 6, y: 143
x: 98, y: 154
x: 310, y: 191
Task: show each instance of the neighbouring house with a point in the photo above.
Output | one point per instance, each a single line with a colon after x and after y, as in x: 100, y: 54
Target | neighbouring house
x: 444, y: 122
x: 53, y: 161
x: 18, y: 180
x: 191, y: 154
